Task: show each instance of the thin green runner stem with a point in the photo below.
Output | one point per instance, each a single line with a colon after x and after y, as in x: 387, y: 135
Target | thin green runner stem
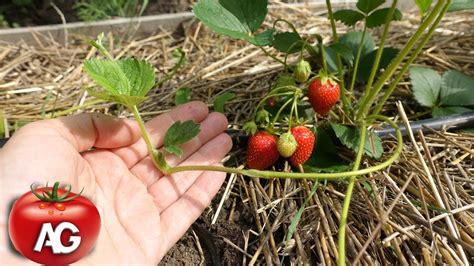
x: 310, y: 176
x: 173, y: 71
x: 75, y: 108
x: 288, y: 23
x: 365, y: 106
x: 272, y: 56
x: 145, y: 135
x: 345, y: 102
x: 268, y: 97
x: 378, y: 56
x: 356, y: 62
x: 341, y: 241
x: 279, y: 111
x: 410, y: 60
x: 293, y: 108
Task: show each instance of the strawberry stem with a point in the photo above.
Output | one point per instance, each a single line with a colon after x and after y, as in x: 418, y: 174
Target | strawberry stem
x: 347, y: 199
x: 356, y: 63
x: 311, y: 176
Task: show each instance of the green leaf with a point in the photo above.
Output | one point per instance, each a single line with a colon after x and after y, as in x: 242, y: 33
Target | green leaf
x: 449, y: 110
x: 297, y: 218
x: 352, y: 40
x: 285, y: 41
x: 182, y: 96
x: 140, y: 75
x: 426, y: 84
x: 458, y: 5
x: 108, y: 74
x: 331, y: 55
x: 366, y: 63
x: 236, y: 19
x: 265, y: 38
x: 378, y: 17
x: 348, y: 16
x: 350, y: 137
x: 116, y: 98
x: 128, y: 77
x: 367, y: 6
x: 221, y: 100
x: 423, y: 5
x: 324, y: 157
x: 179, y: 133
x: 457, y: 89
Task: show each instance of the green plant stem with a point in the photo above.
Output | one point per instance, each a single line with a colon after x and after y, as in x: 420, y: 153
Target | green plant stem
x: 341, y: 241
x: 310, y: 176
x: 365, y: 106
x: 288, y: 23
x: 321, y: 50
x: 378, y: 56
x: 272, y: 56
x: 356, y: 64
x: 345, y: 102
x: 277, y: 115
x: 75, y: 108
x: 294, y: 106
x: 259, y: 105
x: 146, y: 137
x: 173, y: 70
x: 410, y: 60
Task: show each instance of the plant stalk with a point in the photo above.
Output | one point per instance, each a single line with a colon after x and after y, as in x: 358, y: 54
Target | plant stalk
x: 341, y: 241
x: 378, y: 56
x: 310, y: 176
x: 356, y: 63
x: 365, y: 106
x: 410, y: 60
x: 272, y: 56
x: 146, y: 137
x: 345, y: 102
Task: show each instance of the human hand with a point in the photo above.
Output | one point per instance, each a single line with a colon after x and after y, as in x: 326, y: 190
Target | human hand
x: 143, y: 213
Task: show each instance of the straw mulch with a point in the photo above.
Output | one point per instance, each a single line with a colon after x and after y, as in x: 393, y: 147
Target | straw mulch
x: 395, y: 215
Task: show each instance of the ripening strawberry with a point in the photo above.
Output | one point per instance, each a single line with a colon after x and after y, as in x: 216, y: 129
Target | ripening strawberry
x: 287, y: 144
x: 262, y: 150
x: 305, y: 139
x: 323, y: 94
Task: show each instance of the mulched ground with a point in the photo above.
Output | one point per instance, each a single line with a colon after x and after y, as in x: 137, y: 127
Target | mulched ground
x: 252, y: 216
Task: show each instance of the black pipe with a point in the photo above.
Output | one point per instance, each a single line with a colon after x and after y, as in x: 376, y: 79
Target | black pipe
x: 457, y: 121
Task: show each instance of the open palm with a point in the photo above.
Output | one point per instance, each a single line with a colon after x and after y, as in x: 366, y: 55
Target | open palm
x: 143, y: 212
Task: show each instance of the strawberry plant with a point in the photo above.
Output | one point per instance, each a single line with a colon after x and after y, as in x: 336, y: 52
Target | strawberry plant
x: 301, y: 111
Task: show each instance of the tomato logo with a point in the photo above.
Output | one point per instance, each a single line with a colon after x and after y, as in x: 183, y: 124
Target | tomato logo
x: 53, y: 225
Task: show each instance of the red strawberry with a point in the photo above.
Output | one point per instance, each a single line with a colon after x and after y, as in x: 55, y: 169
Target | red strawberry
x: 262, y: 150
x: 323, y: 94
x: 305, y: 139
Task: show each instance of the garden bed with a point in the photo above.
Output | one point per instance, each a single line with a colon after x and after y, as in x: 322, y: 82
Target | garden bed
x: 252, y: 216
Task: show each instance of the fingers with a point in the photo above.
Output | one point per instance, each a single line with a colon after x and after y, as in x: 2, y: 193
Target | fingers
x: 213, y: 125
x: 178, y: 217
x: 168, y: 189
x: 85, y: 131
x: 156, y: 128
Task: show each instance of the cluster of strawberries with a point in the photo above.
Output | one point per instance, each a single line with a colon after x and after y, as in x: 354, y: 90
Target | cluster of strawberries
x: 265, y: 148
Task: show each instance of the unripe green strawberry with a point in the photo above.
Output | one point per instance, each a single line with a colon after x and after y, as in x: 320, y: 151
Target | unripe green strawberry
x: 287, y: 144
x: 305, y: 139
x: 302, y: 71
x: 250, y: 127
x: 262, y: 150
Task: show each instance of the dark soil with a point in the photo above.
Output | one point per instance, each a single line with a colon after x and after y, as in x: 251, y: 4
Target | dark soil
x: 211, y: 237
x: 41, y: 12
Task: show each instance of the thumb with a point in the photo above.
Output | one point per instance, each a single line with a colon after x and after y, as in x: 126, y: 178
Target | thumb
x: 85, y: 131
